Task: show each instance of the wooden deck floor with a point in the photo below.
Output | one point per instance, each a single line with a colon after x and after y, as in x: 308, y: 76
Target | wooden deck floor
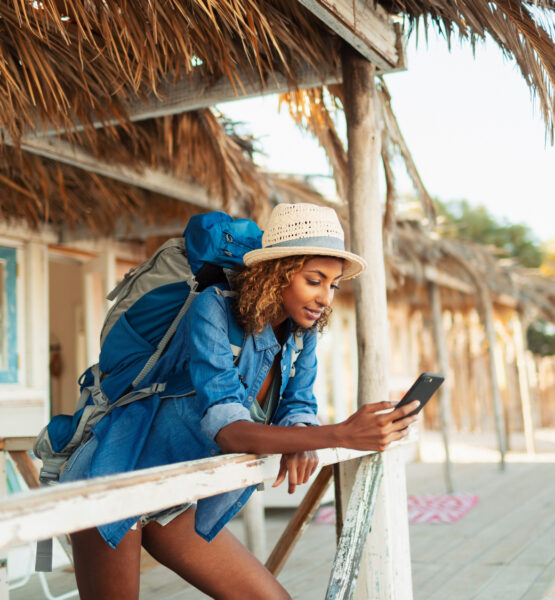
x: 503, y: 548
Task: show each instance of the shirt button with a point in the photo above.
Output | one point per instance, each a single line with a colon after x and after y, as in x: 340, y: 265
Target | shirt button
x: 283, y: 368
x: 212, y: 452
x: 239, y: 505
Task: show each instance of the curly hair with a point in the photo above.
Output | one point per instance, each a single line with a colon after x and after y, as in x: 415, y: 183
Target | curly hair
x: 259, y: 292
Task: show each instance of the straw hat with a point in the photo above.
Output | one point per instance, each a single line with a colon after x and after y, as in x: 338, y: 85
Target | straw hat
x: 297, y: 229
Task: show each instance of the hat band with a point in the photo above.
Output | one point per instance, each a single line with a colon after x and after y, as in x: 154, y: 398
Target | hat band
x: 322, y: 241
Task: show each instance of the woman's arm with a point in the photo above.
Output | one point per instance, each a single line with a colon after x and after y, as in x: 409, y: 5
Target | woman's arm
x: 364, y: 430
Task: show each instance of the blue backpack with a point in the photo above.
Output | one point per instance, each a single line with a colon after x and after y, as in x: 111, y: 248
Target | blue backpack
x: 149, y: 303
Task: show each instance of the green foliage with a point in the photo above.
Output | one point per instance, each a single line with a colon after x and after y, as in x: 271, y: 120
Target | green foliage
x: 465, y: 221
x: 541, y: 338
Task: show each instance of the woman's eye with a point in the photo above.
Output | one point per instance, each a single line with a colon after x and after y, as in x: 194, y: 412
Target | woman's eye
x: 312, y: 282
x: 334, y: 287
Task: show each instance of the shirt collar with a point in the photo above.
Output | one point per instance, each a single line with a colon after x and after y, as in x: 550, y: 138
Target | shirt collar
x: 266, y: 338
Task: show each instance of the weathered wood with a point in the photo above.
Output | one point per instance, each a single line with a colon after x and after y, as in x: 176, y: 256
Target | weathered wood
x: 366, y: 27
x: 356, y: 527
x: 153, y: 180
x: 299, y: 522
x: 487, y: 316
x: 16, y: 443
x: 253, y: 522
x: 51, y: 511
x: 197, y: 90
x: 26, y: 468
x: 519, y: 338
x: 444, y: 391
x: 364, y: 142
x: 338, y: 501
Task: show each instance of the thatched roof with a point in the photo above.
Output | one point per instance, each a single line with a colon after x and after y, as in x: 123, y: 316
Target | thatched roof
x: 66, y: 64
x: 417, y: 256
x: 74, y: 63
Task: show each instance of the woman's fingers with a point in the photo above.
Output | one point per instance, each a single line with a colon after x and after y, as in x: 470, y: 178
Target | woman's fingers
x: 282, y: 472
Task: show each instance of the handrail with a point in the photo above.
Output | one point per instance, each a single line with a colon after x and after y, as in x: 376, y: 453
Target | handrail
x: 68, y: 507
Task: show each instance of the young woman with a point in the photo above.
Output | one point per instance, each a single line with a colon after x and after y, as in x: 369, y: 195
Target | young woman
x: 262, y: 404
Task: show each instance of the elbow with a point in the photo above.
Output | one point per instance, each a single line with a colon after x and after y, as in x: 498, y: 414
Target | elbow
x: 232, y: 439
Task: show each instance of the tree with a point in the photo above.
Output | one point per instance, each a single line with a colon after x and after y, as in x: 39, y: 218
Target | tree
x: 465, y: 221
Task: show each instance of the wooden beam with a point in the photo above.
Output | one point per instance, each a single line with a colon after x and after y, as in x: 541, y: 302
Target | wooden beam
x: 196, y: 91
x: 366, y: 27
x: 10, y: 444
x: 148, y: 179
x: 299, y: 522
x: 356, y: 526
x: 55, y: 510
x: 444, y: 391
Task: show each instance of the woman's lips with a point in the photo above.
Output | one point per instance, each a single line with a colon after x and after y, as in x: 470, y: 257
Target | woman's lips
x: 313, y: 314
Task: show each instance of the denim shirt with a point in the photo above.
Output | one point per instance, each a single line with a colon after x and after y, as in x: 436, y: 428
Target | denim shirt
x: 173, y: 428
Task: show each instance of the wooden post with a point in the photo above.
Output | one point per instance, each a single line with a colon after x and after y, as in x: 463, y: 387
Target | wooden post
x: 299, y: 522
x: 487, y: 314
x: 254, y: 526
x: 385, y: 566
x: 345, y: 569
x: 4, y: 590
x: 444, y: 391
x: 519, y: 333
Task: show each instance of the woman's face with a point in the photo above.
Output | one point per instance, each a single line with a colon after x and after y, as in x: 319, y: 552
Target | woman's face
x: 311, y: 290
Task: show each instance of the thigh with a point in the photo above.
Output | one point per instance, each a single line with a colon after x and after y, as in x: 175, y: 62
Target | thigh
x: 105, y: 573
x: 223, y: 568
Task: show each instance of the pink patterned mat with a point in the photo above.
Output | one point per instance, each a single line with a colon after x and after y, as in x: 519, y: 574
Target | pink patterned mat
x: 442, y: 508
x: 429, y: 508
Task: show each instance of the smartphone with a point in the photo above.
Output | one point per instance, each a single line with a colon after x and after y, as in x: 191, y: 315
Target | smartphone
x: 422, y: 389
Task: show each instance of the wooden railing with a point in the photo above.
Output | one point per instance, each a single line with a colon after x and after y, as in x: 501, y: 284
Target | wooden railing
x: 62, y: 509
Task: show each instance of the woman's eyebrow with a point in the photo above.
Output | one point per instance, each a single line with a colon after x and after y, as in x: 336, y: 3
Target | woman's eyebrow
x: 323, y: 275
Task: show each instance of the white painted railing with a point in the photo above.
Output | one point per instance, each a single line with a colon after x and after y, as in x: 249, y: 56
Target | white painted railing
x: 68, y: 507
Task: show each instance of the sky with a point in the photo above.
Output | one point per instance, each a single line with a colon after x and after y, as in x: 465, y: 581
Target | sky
x: 470, y: 123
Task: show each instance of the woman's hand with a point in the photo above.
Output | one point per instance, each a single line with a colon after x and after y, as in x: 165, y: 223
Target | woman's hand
x: 299, y: 466
x: 366, y: 430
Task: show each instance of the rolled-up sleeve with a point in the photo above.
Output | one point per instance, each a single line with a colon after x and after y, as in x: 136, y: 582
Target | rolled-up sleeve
x: 220, y: 393
x: 298, y: 403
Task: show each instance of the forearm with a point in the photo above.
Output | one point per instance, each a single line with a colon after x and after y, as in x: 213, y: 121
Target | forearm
x: 244, y: 436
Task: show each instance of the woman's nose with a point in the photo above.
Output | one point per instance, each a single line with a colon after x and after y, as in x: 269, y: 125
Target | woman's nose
x: 326, y: 296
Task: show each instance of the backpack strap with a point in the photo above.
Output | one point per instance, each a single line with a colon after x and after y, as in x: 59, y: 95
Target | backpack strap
x: 299, y: 343
x: 235, y: 331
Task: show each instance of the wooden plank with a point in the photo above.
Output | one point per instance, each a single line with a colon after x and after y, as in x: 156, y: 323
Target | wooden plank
x: 366, y: 27
x: 544, y: 584
x: 299, y: 522
x: 16, y: 443
x: 356, y: 526
x: 196, y: 91
x: 25, y: 466
x: 153, y: 180
x: 444, y: 390
x: 65, y: 508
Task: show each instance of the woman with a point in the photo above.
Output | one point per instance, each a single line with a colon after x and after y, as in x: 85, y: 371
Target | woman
x: 282, y: 299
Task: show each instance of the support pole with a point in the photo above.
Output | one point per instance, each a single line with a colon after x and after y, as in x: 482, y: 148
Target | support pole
x: 255, y: 528
x: 519, y: 338
x: 444, y: 391
x: 385, y: 565
x: 487, y: 315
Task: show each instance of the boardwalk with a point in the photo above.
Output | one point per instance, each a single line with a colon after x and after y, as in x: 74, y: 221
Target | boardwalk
x: 503, y: 548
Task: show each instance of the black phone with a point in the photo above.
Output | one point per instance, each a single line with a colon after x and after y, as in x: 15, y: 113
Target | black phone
x: 422, y: 389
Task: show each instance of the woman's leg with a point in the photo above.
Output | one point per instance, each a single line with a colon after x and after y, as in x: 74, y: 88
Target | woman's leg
x: 104, y: 573
x: 223, y: 568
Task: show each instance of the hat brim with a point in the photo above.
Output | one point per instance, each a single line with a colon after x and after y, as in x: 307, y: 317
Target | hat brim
x: 354, y: 264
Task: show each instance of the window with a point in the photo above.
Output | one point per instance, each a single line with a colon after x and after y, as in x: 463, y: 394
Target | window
x: 8, y: 316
